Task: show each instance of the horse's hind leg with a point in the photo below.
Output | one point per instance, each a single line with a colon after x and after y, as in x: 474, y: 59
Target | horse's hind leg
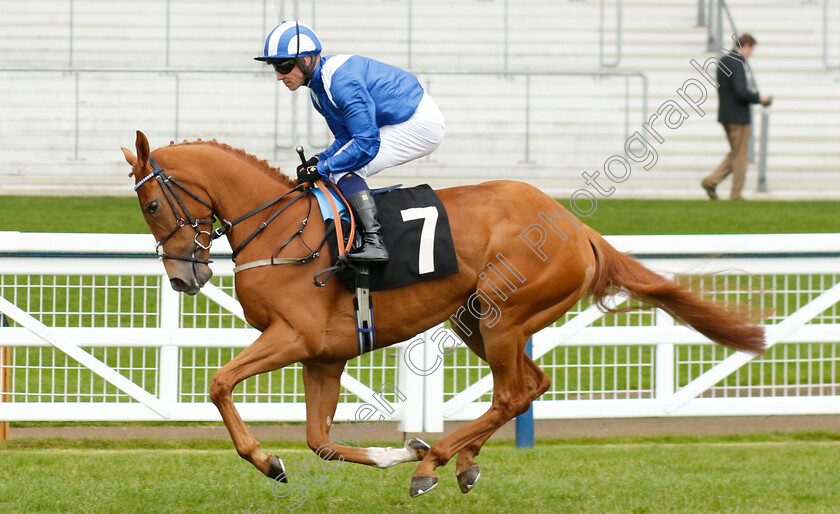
x: 537, y: 381
x: 274, y: 349
x: 467, y: 470
x: 322, y: 383
x: 505, y: 355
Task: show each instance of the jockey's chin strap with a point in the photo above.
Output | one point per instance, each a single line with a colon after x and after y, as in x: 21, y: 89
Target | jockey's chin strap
x: 168, y: 185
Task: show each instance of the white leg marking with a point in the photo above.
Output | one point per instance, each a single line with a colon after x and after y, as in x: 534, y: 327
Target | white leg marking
x: 387, y: 457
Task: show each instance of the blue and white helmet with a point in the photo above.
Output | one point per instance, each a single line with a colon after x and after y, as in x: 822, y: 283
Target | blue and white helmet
x: 290, y: 40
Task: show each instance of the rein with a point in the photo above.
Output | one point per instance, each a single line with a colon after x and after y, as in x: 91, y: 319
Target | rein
x: 168, y: 185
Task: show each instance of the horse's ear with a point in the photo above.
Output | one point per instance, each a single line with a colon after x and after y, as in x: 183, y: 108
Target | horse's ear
x: 129, y: 157
x: 142, y: 145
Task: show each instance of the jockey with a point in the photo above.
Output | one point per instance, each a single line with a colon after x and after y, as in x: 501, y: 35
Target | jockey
x: 379, y: 115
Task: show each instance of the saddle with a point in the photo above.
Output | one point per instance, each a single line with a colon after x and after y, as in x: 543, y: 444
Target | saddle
x: 415, y: 228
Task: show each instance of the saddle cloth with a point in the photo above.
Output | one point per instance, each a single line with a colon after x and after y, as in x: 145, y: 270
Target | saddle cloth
x: 324, y: 204
x: 416, y: 231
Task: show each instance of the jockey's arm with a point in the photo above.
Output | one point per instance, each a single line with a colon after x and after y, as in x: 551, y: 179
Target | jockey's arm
x: 355, y: 106
x: 341, y: 138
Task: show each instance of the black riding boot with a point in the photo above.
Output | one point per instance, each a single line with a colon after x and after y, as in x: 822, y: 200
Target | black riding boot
x: 373, y: 248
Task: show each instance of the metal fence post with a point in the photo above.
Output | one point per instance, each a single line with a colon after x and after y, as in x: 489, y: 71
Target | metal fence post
x: 527, y: 119
x: 70, y: 42
x: 762, y: 151
x: 825, y: 39
x: 711, y: 22
x: 619, y: 20
x: 751, y: 140
x: 5, y: 382
x: 507, y: 40
x: 177, y: 102
x: 410, y: 35
x: 168, y: 26
x: 76, y: 122
x: 525, y: 422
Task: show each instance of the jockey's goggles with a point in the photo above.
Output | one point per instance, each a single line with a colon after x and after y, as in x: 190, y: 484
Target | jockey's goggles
x: 284, y: 67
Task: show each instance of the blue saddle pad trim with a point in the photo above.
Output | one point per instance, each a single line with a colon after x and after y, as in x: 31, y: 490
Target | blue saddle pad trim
x: 324, y: 205
x: 385, y: 189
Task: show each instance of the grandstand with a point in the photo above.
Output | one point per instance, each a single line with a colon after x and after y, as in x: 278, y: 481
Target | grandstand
x: 536, y: 90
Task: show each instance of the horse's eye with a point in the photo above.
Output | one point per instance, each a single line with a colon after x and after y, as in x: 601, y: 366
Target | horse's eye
x: 152, y: 207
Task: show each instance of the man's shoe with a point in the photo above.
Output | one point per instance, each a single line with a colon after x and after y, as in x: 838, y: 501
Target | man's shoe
x: 373, y: 247
x: 710, y: 190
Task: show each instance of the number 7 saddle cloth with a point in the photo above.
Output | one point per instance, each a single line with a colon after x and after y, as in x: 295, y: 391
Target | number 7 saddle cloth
x: 416, y: 231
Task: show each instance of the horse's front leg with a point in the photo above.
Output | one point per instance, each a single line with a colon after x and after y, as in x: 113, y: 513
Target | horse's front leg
x: 276, y: 348
x: 322, y: 384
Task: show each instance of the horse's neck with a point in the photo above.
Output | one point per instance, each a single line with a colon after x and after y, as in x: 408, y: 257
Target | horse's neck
x: 235, y: 187
x: 239, y: 187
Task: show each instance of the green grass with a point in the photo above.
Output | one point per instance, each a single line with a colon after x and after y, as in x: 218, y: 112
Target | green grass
x: 751, y: 474
x: 122, y: 215
x: 764, y: 473
x: 707, y: 217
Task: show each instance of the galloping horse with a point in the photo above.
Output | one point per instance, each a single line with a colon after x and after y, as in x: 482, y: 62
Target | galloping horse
x: 557, y: 260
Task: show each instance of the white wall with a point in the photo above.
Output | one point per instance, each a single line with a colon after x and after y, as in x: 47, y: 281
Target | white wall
x: 60, y: 131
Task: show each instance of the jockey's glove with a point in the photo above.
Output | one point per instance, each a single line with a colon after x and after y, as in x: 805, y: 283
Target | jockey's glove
x: 308, y: 172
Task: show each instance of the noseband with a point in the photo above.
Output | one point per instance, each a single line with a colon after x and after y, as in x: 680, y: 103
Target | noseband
x: 168, y: 185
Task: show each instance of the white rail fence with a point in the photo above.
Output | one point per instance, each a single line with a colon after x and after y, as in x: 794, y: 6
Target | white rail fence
x: 94, y: 332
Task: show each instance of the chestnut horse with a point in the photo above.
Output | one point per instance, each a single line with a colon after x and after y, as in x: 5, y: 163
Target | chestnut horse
x: 557, y: 259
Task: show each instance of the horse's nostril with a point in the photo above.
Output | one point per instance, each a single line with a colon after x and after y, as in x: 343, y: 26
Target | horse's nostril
x: 178, y: 284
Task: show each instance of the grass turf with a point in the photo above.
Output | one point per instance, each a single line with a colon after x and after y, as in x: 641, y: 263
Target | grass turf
x: 769, y: 474
x: 780, y: 474
x: 122, y: 215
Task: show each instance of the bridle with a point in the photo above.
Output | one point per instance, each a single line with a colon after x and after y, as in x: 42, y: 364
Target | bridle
x: 168, y: 184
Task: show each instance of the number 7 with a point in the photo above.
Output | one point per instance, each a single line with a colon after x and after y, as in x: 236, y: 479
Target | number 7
x: 429, y: 215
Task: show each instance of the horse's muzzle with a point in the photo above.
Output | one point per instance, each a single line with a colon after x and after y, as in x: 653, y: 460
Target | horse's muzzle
x: 182, y: 286
x: 191, y: 283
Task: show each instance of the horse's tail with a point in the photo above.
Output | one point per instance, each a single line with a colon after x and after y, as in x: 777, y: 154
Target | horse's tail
x: 617, y: 272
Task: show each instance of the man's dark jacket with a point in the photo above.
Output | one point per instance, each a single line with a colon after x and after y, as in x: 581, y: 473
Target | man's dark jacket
x: 733, y: 93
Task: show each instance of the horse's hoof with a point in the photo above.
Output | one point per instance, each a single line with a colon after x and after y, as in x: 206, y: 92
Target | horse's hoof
x: 276, y: 470
x: 420, y: 485
x: 468, y: 478
x: 420, y: 447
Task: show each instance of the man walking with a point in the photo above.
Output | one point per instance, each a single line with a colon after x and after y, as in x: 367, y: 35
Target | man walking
x: 735, y: 98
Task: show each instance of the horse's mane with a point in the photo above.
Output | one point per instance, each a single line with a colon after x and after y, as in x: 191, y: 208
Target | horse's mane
x: 258, y: 163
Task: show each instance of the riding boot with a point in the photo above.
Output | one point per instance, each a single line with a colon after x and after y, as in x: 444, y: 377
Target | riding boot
x: 367, y: 215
